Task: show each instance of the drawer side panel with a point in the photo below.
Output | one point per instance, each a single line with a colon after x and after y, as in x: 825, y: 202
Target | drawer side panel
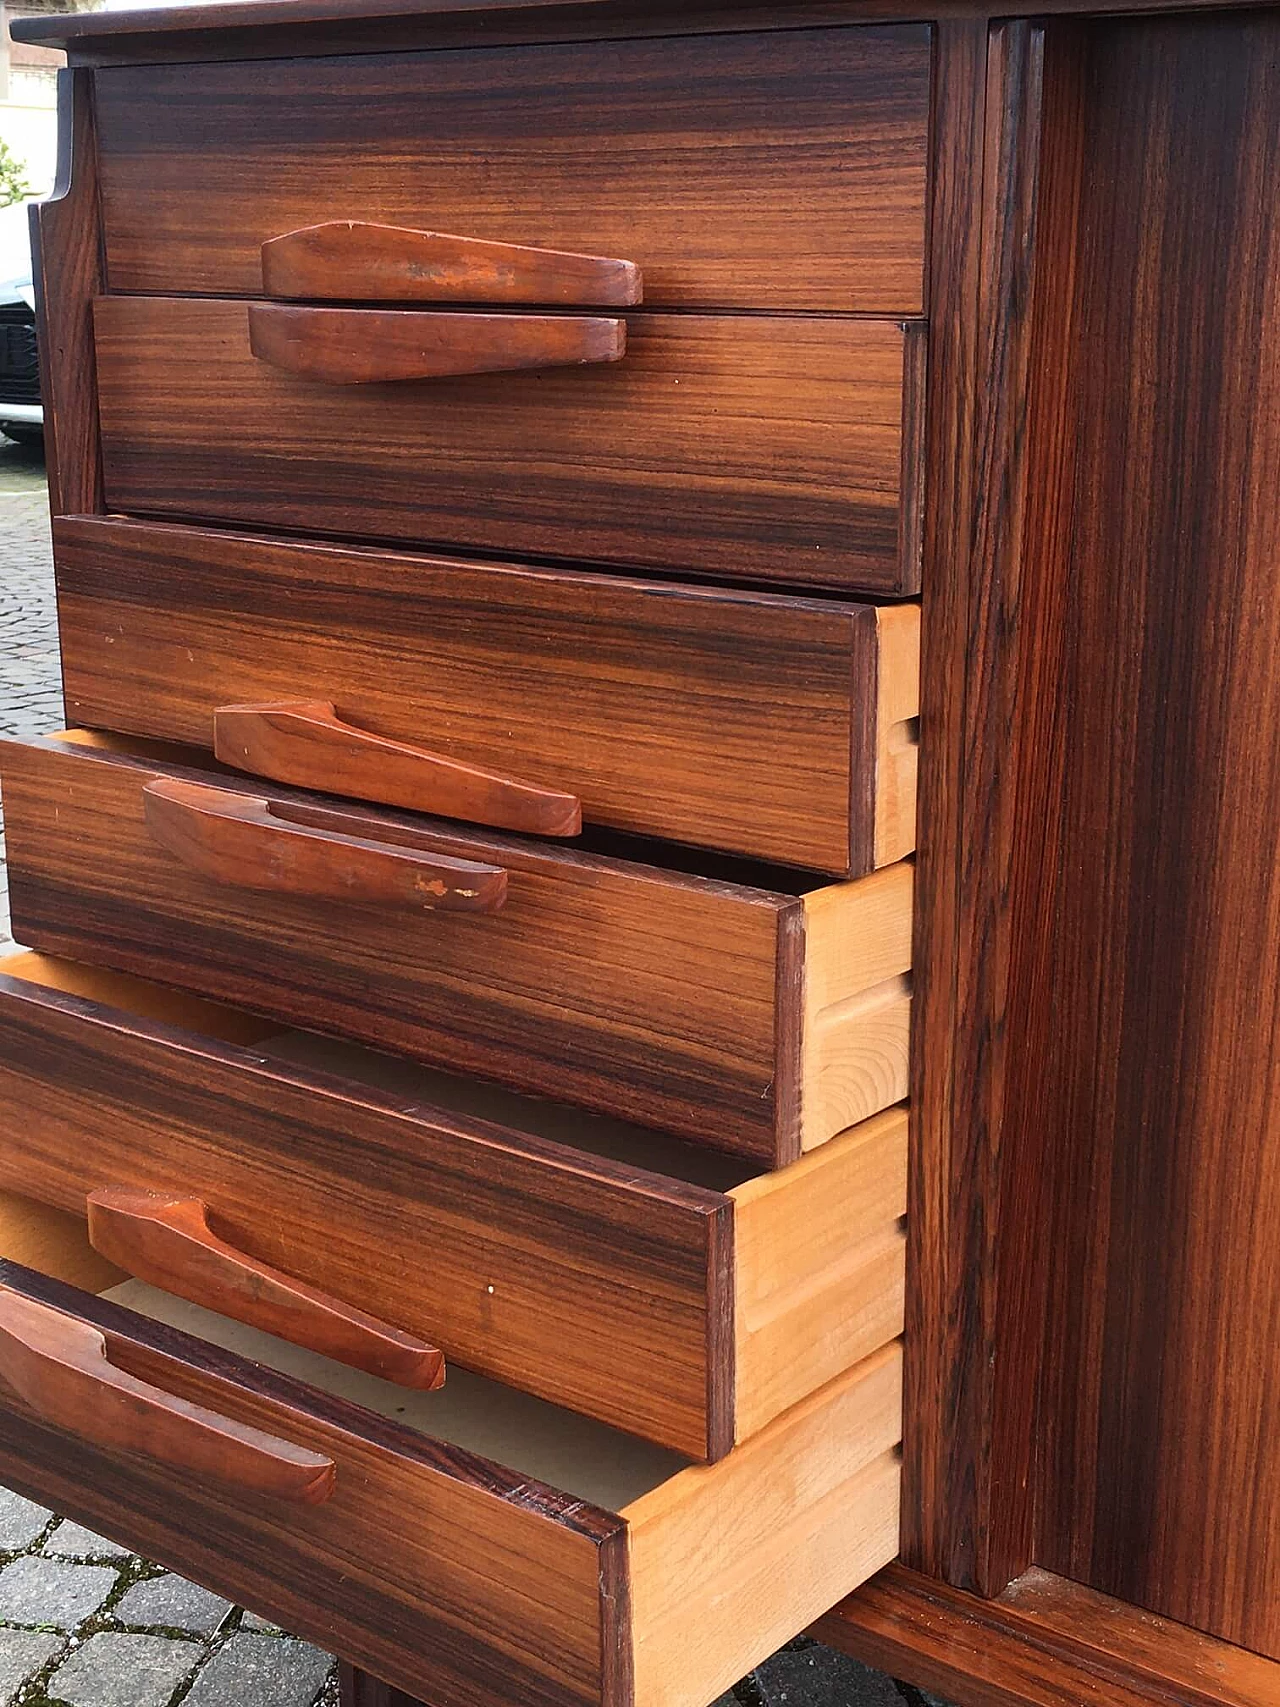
x: 730, y: 1560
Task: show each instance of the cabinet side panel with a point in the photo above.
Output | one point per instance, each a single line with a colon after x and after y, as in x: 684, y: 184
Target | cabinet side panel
x: 66, y: 250
x: 1160, y: 1081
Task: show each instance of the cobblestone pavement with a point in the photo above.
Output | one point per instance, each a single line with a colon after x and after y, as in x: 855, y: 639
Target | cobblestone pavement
x: 82, y: 1622
x: 30, y: 679
x: 85, y: 1624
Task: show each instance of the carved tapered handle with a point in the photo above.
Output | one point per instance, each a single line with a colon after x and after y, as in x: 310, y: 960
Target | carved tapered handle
x: 347, y: 260
x: 59, y: 1366
x: 252, y: 843
x: 167, y: 1241
x: 372, y: 346
x: 305, y: 742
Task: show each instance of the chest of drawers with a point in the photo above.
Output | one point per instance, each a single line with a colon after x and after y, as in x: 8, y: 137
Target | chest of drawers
x: 586, y: 943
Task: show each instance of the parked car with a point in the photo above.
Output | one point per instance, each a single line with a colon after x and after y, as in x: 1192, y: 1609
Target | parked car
x: 21, y: 414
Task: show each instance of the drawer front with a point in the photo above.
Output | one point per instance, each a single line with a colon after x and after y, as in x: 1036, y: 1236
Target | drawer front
x: 454, y: 1579
x: 754, y: 447
x: 765, y: 170
x: 523, y: 1259
x: 775, y: 728
x: 522, y: 1239
x: 681, y: 1002
x: 460, y: 1577
x: 638, y: 992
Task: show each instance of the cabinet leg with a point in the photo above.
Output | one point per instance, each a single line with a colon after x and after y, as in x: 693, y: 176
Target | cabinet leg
x: 361, y: 1690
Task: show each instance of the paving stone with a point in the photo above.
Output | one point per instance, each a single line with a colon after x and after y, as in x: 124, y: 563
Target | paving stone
x: 36, y: 1590
x: 814, y: 1676
x: 173, y: 1603
x: 73, y: 1541
x: 261, y: 1671
x: 251, y: 1621
x: 29, y: 666
x: 124, y: 1671
x: 21, y: 1521
x: 22, y: 1654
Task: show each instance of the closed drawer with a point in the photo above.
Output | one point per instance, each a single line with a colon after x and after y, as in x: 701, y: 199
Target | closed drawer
x: 772, y: 727
x: 473, y: 1546
x: 523, y: 1240
x: 758, y: 1020
x: 762, y: 170
x: 756, y: 447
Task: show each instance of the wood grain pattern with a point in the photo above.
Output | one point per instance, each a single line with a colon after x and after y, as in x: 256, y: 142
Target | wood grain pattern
x: 1040, y: 754
x: 480, y: 1552
x: 799, y: 1323
x: 897, y: 737
x: 742, y: 721
x: 762, y: 447
x: 1038, y: 429
x: 66, y: 257
x: 726, y: 1558
x: 1043, y: 1642
x: 856, y: 1001
x: 358, y: 1689
x: 643, y: 992
x: 367, y: 346
x: 522, y: 1257
x: 430, y: 1566
x: 931, y: 1508
x: 638, y: 992
x: 306, y: 743
x: 350, y: 259
x: 855, y: 1060
x: 977, y: 1254
x: 734, y: 1298
x: 167, y: 1241
x: 498, y: 153
x: 60, y: 1368
x: 1162, y: 1091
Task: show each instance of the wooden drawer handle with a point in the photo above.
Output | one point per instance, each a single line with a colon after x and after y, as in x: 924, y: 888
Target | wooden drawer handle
x: 348, y: 260
x: 59, y: 1366
x: 167, y: 1241
x: 251, y: 843
x: 305, y: 742
x: 371, y: 346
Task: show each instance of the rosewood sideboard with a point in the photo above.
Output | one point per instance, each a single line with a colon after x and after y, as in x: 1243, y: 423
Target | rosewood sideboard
x: 650, y: 978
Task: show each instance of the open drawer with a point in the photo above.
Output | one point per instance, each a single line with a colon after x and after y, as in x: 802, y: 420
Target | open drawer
x: 754, y: 1010
x: 772, y: 727
x: 473, y: 1546
x: 635, y: 1279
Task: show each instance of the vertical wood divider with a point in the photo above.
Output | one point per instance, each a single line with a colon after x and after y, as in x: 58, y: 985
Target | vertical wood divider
x: 978, y: 1198
x: 66, y: 250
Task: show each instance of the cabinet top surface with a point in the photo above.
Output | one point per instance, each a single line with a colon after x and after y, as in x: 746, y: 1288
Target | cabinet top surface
x: 149, y: 32
x: 62, y: 29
